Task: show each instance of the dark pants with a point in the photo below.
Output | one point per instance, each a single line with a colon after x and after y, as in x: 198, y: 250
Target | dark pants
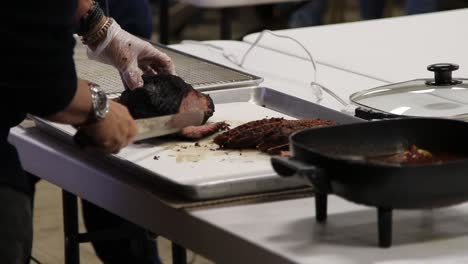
x: 15, y: 226
x: 137, y: 249
x: 140, y: 248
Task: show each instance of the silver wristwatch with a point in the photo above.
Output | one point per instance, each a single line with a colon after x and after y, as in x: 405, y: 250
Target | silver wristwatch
x: 100, y: 102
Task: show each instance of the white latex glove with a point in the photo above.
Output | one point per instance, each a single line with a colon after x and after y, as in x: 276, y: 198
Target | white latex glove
x: 131, y: 56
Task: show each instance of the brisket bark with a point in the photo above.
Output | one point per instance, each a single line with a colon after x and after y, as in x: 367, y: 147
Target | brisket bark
x: 267, y: 135
x: 164, y: 94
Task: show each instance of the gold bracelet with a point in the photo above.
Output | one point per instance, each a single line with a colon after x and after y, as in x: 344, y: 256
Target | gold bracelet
x: 93, y: 37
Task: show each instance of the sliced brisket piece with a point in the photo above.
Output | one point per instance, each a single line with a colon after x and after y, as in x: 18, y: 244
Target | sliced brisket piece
x: 197, y: 132
x: 268, y: 135
x: 276, y: 138
x: 310, y: 123
x: 164, y: 94
x: 280, y: 135
x: 250, y: 137
x: 223, y: 138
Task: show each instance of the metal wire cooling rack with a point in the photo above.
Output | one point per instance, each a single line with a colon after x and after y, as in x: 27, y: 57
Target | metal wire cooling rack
x: 201, y: 74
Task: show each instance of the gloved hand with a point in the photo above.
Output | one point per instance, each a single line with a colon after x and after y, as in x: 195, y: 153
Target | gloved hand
x: 131, y: 56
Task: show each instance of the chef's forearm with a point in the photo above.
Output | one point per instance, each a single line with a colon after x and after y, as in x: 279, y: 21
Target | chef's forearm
x: 80, y: 108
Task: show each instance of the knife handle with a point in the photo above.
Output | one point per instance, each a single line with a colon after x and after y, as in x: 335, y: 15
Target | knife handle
x: 82, y: 140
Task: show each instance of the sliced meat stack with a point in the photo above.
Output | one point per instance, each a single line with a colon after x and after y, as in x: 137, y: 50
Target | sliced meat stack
x: 168, y: 94
x: 197, y: 132
x: 268, y: 135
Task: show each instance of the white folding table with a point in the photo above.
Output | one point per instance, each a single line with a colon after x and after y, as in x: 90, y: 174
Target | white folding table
x: 390, y: 49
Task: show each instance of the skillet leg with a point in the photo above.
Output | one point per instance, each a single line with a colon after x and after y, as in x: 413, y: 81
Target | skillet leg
x: 321, y: 207
x: 385, y: 227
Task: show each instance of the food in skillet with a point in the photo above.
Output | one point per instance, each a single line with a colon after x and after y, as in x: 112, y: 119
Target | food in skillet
x: 413, y: 156
x: 165, y: 94
x: 267, y: 135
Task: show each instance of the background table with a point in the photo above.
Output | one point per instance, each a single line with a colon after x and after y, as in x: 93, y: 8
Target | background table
x: 390, y: 50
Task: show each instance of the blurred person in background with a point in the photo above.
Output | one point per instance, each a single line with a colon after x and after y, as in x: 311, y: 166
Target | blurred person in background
x: 312, y: 13
x: 309, y: 14
x: 373, y: 9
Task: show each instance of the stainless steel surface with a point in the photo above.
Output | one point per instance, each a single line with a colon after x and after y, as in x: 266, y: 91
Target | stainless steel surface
x: 281, y: 103
x: 168, y: 124
x: 201, y: 74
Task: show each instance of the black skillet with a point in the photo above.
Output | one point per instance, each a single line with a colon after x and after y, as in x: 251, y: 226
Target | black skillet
x: 333, y: 160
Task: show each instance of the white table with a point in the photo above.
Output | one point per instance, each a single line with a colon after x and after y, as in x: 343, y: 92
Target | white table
x: 349, y: 236
x: 285, y: 73
x: 213, y: 233
x: 391, y: 50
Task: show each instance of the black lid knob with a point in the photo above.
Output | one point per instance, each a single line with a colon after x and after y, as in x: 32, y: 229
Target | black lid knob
x: 443, y: 74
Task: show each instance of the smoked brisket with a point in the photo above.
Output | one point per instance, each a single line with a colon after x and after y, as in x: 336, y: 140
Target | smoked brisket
x: 164, y: 94
x: 267, y: 135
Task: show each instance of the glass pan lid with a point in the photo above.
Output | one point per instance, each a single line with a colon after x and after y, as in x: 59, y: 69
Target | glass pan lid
x: 438, y: 97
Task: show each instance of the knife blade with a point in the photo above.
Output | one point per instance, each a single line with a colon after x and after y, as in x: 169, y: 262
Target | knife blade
x: 168, y: 124
x: 153, y: 127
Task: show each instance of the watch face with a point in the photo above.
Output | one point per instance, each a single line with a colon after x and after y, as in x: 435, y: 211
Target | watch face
x: 102, y: 100
x: 101, y: 105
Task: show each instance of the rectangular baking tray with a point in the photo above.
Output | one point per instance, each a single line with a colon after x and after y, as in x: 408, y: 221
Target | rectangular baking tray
x: 203, y: 75
x: 197, y: 170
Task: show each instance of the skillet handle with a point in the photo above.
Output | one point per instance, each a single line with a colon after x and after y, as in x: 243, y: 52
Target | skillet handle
x: 288, y: 167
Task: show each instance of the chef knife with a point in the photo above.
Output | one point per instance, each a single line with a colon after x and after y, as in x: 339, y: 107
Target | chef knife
x: 154, y: 126
x: 168, y: 124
